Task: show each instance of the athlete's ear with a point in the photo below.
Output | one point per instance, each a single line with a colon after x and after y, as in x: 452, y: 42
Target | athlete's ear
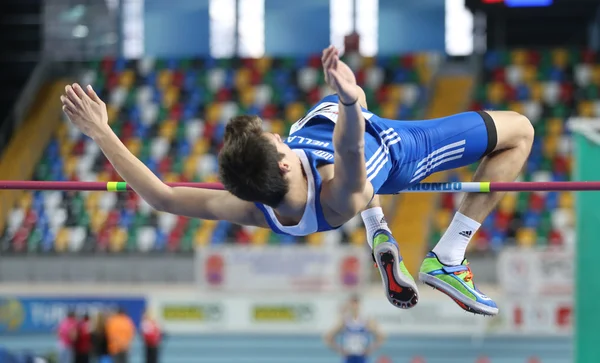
x: 284, y: 166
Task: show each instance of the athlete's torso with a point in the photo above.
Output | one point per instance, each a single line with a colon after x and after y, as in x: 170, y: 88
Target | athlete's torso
x: 355, y: 337
x: 312, y: 139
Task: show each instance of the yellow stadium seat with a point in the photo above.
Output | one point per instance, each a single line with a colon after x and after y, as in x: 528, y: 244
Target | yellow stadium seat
x: 516, y: 106
x: 98, y: 217
x: 164, y: 79
x: 61, y: 131
x: 189, y: 167
x: 315, y: 239
x: 529, y: 73
x: 554, y: 127
x: 127, y: 78
x: 368, y: 62
x: 263, y: 64
x: 550, y: 145
x: 496, y: 92
x: 424, y: 73
x: 70, y: 165
x: 585, y: 109
x: 171, y: 178
x: 518, y: 57
x: 536, y: 91
x: 242, y: 78
x: 61, y: 243
x: 277, y: 126
x: 25, y: 200
x: 118, y: 239
x: 596, y: 75
x: 394, y: 93
x: 213, y: 178
x: 560, y: 58
x: 103, y: 176
x: 565, y: 200
x: 357, y: 237
x: 260, y: 236
x: 112, y: 112
x: 508, y: 203
x: 389, y: 110
x: 526, y: 237
x: 294, y: 111
x: 65, y: 148
x: 247, y: 96
x: 171, y: 97
x: 442, y: 219
x: 134, y: 145
x: 213, y: 112
x: 91, y: 202
x: 204, y: 233
x: 167, y: 129
x: 200, y: 147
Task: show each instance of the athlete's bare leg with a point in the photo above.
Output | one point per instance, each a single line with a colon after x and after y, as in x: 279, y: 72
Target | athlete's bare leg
x: 445, y: 268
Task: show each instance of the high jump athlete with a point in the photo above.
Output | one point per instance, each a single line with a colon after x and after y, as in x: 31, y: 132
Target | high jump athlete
x: 332, y: 166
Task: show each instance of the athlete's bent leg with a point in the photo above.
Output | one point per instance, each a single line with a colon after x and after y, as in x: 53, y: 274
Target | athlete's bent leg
x: 399, y: 285
x: 446, y: 268
x: 514, y: 139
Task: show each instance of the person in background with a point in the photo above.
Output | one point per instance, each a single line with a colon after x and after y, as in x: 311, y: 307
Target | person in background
x: 355, y: 332
x: 152, y: 338
x: 67, y: 334
x: 99, y: 340
x: 120, y: 332
x: 83, y: 343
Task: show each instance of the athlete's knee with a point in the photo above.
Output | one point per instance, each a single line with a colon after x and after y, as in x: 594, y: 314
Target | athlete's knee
x: 514, y: 130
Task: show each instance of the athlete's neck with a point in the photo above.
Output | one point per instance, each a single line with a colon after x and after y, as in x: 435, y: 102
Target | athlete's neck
x: 294, y: 203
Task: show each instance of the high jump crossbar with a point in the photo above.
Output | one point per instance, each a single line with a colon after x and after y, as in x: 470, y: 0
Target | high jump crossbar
x: 449, y: 187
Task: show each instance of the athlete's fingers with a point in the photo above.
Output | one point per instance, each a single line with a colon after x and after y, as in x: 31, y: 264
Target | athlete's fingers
x: 80, y: 92
x: 93, y: 95
x: 326, y: 55
x: 70, y: 92
x: 67, y: 102
x: 329, y: 60
x: 68, y: 111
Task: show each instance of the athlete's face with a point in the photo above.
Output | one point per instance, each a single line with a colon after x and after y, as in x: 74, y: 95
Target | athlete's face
x: 282, y: 148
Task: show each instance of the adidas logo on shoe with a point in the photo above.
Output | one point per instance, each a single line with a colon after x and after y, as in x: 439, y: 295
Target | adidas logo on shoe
x: 466, y: 233
x: 383, y: 221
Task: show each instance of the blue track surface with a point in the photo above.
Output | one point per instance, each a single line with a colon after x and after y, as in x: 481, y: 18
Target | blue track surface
x: 304, y: 348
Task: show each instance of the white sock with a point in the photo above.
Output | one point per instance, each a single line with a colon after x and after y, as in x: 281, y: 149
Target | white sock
x: 374, y: 220
x: 452, y: 246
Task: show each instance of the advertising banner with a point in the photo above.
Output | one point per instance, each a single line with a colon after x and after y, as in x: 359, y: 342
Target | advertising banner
x: 43, y: 314
x: 289, y: 268
x: 536, y: 272
x: 552, y: 316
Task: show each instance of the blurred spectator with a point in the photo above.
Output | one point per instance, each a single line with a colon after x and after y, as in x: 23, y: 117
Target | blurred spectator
x: 99, y: 340
x: 120, y: 332
x: 67, y: 334
x: 83, y: 344
x: 152, y: 338
x: 355, y: 332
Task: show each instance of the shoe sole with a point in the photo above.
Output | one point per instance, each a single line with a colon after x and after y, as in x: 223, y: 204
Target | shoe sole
x: 460, y: 299
x: 401, y: 291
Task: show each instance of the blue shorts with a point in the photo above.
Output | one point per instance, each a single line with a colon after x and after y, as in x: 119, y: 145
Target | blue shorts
x: 430, y: 146
x: 355, y: 359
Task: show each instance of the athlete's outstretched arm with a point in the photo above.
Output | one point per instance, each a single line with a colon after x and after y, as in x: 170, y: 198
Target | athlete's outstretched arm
x: 88, y: 113
x: 345, y: 192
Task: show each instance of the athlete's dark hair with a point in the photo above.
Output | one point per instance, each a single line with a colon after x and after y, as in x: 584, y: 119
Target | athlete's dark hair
x: 248, y: 163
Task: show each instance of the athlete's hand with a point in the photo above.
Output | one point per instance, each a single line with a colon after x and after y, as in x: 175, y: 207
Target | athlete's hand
x: 339, y: 76
x: 85, y: 109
